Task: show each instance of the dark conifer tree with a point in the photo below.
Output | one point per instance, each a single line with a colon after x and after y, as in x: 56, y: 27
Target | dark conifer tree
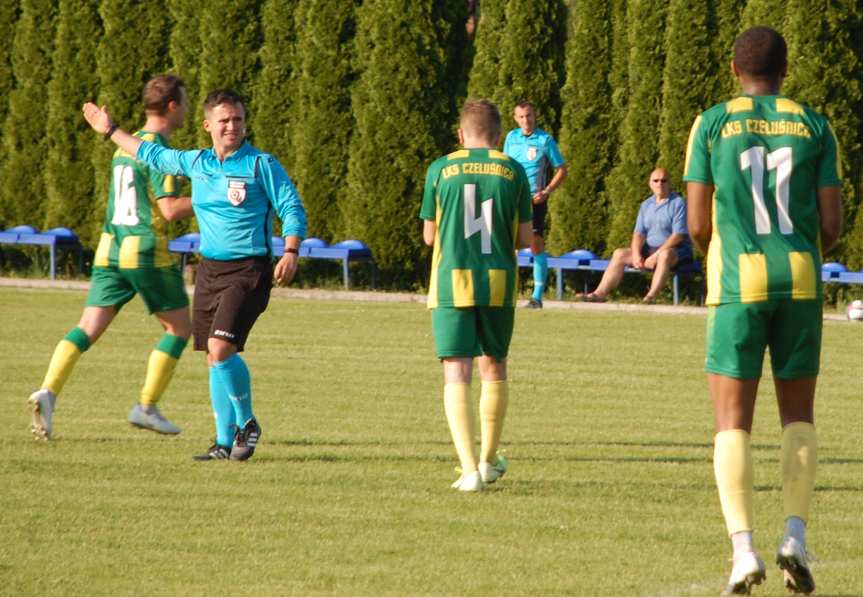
x: 133, y: 48
x: 273, y: 99
x: 484, y: 80
x: 402, y: 110
x: 24, y: 130
x: 185, y: 55
x: 230, y: 37
x: 639, y: 138
x: 69, y: 176
x: 531, y: 59
x: 578, y: 211
x: 824, y: 71
x: 325, y: 77
x: 687, y: 79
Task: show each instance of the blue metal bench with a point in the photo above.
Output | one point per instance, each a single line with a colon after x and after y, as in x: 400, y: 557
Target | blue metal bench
x: 55, y: 239
x: 584, y: 260
x: 838, y: 273
x: 313, y: 248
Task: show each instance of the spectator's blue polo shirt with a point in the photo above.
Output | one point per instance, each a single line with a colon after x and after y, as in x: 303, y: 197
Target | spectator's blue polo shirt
x: 658, y: 221
x: 233, y: 199
x: 535, y: 152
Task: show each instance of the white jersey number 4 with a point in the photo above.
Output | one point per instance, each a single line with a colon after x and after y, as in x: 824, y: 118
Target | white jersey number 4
x: 481, y: 224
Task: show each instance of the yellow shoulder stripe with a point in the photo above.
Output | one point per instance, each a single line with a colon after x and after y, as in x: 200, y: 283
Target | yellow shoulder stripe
x: 740, y: 104
x: 497, y: 155
x: 461, y: 153
x: 788, y: 106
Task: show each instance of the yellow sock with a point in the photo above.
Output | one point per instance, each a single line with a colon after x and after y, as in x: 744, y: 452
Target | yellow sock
x: 160, y: 367
x: 493, y: 401
x: 66, y: 354
x: 459, y: 415
x: 160, y: 370
x: 799, y: 458
x: 732, y: 464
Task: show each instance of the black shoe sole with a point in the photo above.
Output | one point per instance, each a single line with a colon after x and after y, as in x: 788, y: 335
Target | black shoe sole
x: 801, y: 580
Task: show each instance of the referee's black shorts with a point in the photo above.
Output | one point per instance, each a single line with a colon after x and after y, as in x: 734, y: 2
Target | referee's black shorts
x: 229, y: 297
x: 539, y: 211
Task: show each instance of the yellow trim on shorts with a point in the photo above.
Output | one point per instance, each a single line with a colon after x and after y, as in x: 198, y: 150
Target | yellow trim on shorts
x: 103, y: 251
x: 129, y: 252
x: 753, y: 277
x: 497, y: 287
x: 802, y: 275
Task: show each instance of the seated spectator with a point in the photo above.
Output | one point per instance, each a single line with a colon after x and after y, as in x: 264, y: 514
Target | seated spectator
x: 660, y: 241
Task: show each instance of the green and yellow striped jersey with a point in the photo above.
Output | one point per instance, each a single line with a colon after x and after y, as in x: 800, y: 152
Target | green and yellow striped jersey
x: 477, y: 198
x: 765, y: 156
x: 134, y: 234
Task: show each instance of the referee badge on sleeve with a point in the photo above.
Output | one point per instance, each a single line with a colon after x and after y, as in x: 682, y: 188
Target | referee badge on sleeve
x: 236, y: 191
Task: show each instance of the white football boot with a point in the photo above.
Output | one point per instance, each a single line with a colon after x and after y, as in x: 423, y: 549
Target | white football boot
x: 469, y: 482
x: 748, y: 570
x: 793, y: 559
x: 149, y: 417
x: 41, y: 403
x: 492, y: 472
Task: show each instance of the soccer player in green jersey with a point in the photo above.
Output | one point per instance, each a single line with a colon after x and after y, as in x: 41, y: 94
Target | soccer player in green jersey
x: 764, y: 179
x: 477, y: 211
x: 132, y: 258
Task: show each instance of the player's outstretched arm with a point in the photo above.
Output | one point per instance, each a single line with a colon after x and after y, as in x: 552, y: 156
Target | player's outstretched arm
x: 175, y: 208
x: 100, y: 121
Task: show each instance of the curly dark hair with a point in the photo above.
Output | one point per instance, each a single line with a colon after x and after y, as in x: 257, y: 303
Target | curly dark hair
x: 760, y: 52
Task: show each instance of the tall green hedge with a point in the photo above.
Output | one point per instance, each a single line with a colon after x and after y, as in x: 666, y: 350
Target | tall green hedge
x: 531, y: 59
x: 770, y: 13
x: 578, y: 210
x: 402, y: 110
x: 356, y: 103
x: 133, y: 48
x: 484, y: 79
x: 185, y: 53
x: 726, y: 26
x: 639, y: 147
x: 688, y: 34
x: 8, y: 19
x: 823, y: 62
x: 230, y: 36
x: 68, y: 166
x: 22, y: 191
x: 275, y: 87
x: 325, y: 76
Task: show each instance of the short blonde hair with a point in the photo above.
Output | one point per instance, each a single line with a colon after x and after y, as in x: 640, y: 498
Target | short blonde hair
x: 481, y: 118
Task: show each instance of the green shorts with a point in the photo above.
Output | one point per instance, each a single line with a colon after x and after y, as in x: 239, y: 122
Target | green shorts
x: 472, y: 331
x: 738, y: 333
x: 161, y: 289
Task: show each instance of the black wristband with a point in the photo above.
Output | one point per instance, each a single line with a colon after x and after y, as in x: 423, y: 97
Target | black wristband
x: 292, y: 250
x: 111, y: 130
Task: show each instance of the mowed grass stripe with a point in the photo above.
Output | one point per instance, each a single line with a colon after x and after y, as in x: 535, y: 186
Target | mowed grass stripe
x: 609, y: 435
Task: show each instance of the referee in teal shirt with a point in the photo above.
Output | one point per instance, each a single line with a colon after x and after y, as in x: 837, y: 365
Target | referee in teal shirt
x: 235, y: 188
x: 537, y: 151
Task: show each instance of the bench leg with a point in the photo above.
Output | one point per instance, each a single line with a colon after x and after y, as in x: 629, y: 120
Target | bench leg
x: 676, y: 287
x: 53, y: 261
x: 345, y: 273
x: 559, y: 283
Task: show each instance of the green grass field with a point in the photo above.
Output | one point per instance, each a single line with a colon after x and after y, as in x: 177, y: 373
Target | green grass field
x: 610, y: 489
